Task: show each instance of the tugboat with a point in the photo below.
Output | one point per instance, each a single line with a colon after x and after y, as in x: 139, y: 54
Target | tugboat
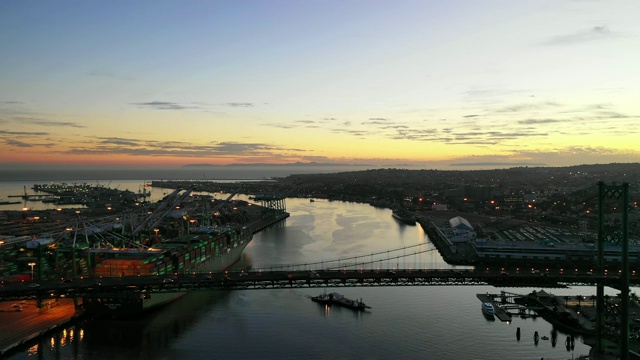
x: 340, y: 300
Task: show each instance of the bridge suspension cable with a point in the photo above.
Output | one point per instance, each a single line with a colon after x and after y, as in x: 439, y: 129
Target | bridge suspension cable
x: 358, y: 261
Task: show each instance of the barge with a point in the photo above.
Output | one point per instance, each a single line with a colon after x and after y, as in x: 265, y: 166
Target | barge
x: 335, y: 298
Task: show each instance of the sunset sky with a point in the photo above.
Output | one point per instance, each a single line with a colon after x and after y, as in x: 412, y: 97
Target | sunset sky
x: 427, y: 84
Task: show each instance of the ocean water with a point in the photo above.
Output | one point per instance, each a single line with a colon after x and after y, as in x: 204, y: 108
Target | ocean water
x: 407, y: 322
x: 203, y: 172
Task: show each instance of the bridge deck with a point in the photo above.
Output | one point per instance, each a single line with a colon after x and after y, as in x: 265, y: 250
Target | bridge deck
x: 252, y: 279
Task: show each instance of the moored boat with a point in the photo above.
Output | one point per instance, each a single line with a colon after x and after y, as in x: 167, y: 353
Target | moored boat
x: 404, y: 216
x: 488, y: 308
x: 335, y: 298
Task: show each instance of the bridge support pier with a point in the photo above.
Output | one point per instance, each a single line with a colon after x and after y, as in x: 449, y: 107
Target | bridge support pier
x: 615, y: 235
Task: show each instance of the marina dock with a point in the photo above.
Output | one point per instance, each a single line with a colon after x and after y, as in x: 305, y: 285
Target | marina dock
x: 500, y: 312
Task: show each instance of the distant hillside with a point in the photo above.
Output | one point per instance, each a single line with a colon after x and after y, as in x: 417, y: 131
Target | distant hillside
x: 521, y: 177
x: 294, y: 164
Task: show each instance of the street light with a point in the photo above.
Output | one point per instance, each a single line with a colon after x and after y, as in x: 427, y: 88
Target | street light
x: 32, y: 264
x: 156, y: 231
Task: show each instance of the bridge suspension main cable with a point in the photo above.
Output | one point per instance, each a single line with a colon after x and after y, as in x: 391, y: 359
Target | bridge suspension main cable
x: 359, y: 261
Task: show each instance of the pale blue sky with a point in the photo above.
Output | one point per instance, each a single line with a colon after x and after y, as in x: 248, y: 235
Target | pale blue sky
x: 430, y: 83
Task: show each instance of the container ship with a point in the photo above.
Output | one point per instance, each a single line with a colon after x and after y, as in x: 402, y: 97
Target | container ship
x: 212, y: 251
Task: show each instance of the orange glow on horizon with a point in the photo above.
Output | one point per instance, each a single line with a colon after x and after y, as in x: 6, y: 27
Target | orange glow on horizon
x: 129, y: 161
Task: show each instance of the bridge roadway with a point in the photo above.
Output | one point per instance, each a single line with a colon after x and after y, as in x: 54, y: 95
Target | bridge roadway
x: 241, y: 280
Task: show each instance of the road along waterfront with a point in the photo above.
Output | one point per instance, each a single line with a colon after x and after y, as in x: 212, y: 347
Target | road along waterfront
x: 22, y: 321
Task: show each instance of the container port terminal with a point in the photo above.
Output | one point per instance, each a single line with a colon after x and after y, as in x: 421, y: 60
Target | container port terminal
x: 502, y: 259
x: 181, y: 233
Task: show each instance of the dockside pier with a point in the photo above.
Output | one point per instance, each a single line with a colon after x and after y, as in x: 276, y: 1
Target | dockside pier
x: 500, y: 313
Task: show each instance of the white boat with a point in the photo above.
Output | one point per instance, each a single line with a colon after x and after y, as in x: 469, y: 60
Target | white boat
x: 488, y: 308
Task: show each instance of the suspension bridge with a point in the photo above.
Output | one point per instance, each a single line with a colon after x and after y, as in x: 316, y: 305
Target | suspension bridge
x: 394, y: 267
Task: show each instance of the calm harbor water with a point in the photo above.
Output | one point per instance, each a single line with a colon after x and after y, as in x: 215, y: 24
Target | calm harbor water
x: 422, y: 322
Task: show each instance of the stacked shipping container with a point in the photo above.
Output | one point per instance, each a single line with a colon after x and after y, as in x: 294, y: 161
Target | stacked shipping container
x: 178, y: 255
x: 150, y: 265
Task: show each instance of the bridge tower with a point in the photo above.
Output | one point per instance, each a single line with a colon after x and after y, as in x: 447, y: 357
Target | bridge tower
x: 613, y: 218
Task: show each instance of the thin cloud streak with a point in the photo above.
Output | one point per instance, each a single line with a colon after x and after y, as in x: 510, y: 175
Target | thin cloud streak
x: 137, y: 147
x: 41, y: 122
x: 162, y: 105
x: 239, y: 104
x: 17, y: 143
x: 27, y: 133
x: 596, y: 33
